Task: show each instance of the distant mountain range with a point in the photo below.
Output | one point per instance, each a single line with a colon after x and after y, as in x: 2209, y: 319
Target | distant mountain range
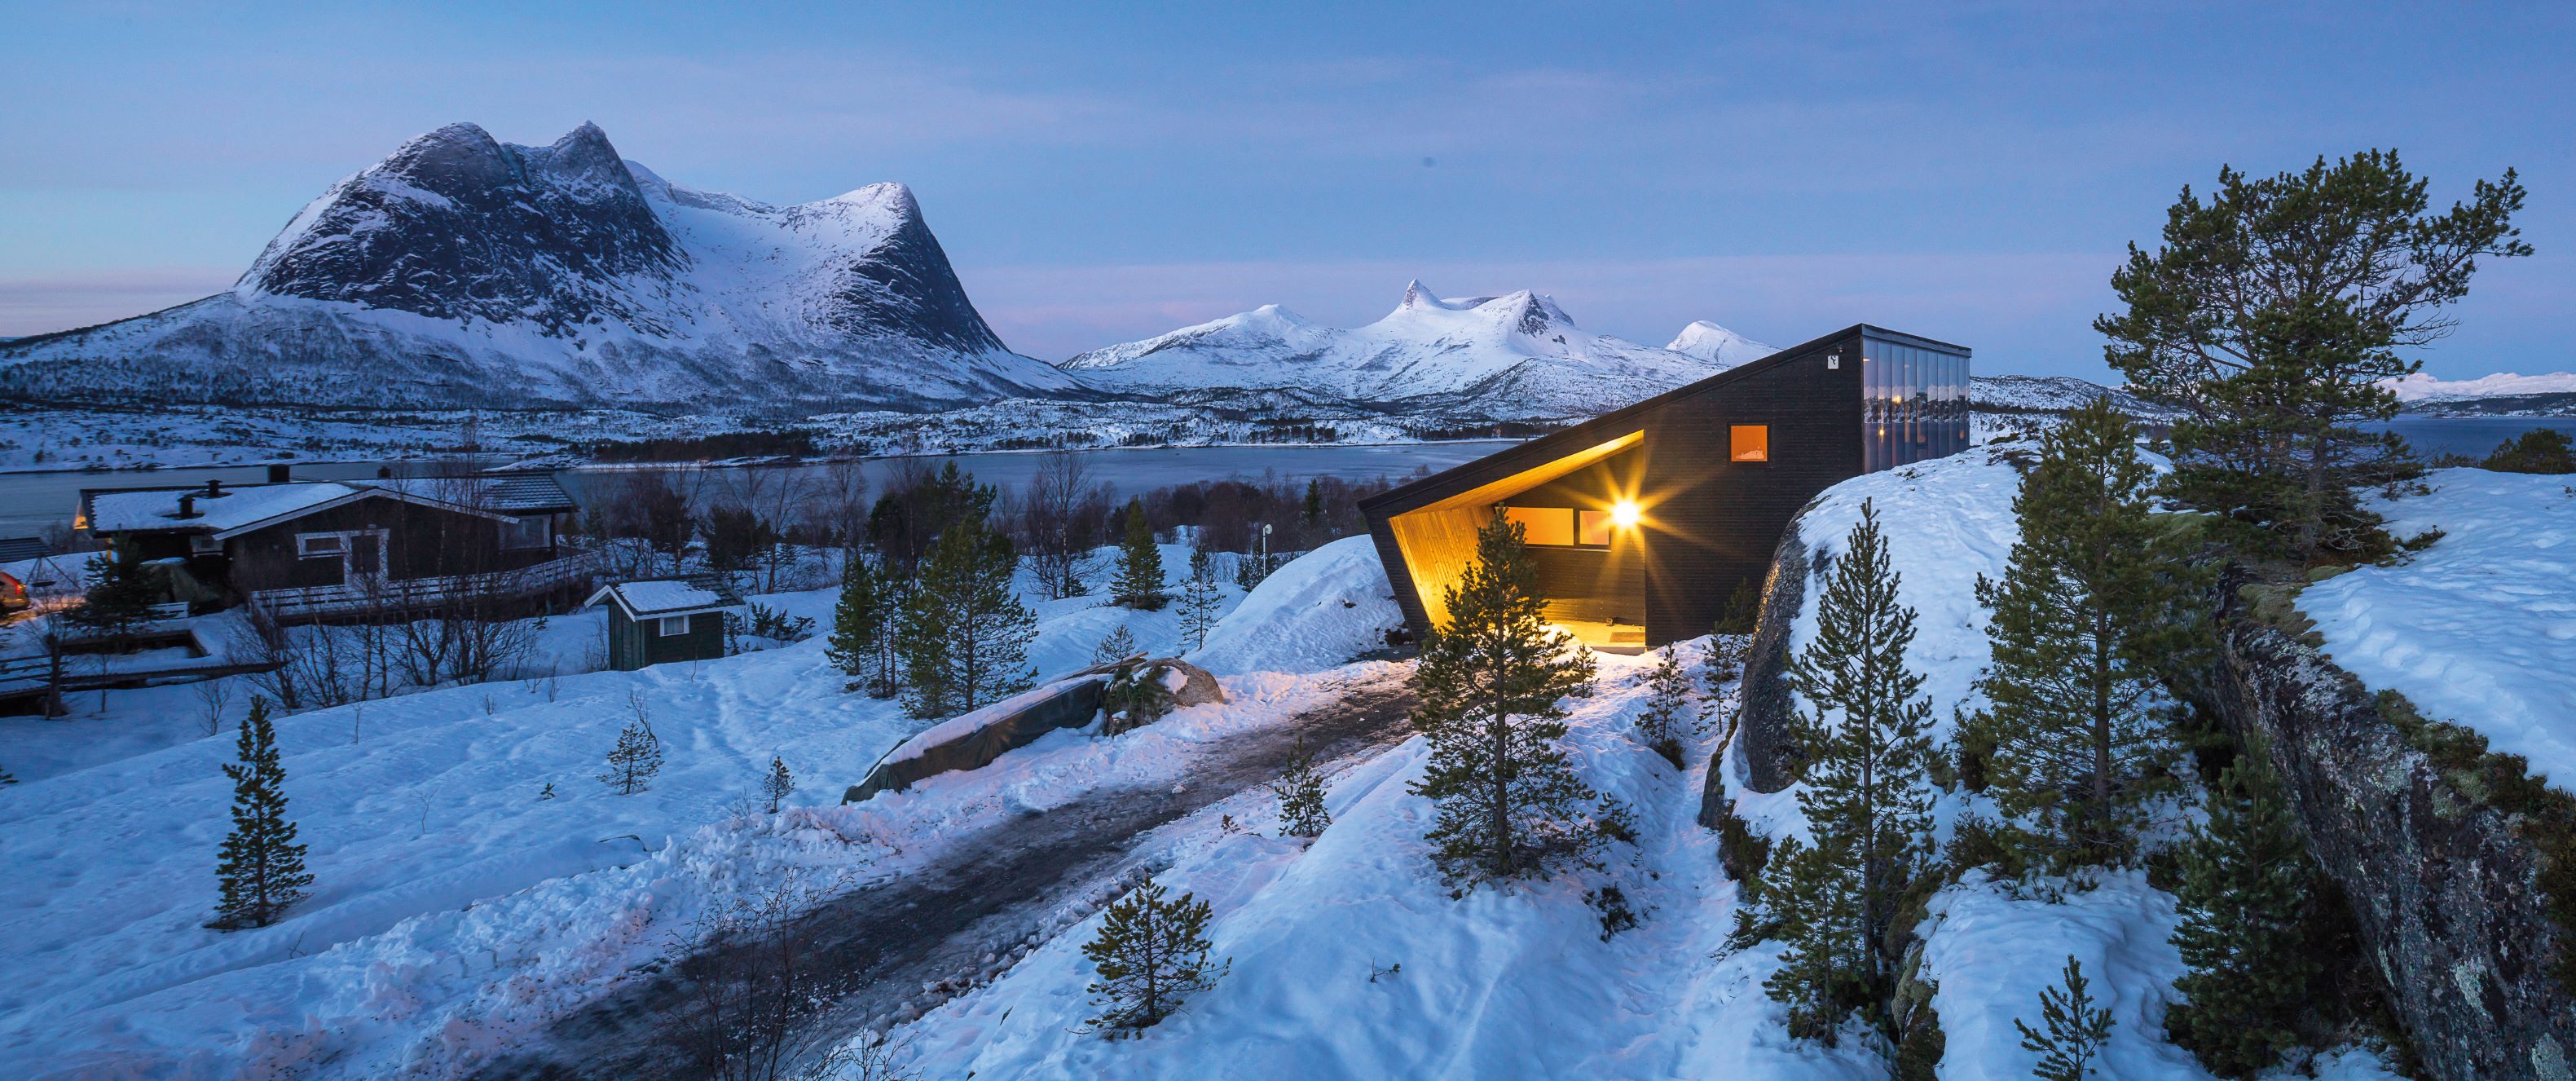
x: 1508, y: 357
x: 466, y: 272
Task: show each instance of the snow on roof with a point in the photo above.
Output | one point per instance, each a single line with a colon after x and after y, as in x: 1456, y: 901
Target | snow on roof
x: 663, y: 598
x: 158, y: 508
x: 507, y: 494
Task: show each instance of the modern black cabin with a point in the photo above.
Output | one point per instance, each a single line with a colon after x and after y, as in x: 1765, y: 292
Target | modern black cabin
x: 331, y: 548
x: 1643, y: 521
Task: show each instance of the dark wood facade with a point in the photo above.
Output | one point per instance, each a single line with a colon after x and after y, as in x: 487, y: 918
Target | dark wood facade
x: 1706, y: 522
x: 634, y: 643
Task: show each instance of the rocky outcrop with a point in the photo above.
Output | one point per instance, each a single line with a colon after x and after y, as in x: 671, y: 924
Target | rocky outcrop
x: 2439, y: 846
x: 1762, y: 722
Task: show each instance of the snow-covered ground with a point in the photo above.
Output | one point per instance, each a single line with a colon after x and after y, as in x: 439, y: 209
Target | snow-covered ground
x: 453, y: 906
x: 2480, y: 629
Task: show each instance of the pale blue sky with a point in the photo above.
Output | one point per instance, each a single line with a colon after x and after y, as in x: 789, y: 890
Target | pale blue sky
x: 1104, y: 172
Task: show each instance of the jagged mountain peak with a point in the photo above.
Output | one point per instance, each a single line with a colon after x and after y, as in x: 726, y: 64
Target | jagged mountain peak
x: 462, y: 270
x: 1709, y: 341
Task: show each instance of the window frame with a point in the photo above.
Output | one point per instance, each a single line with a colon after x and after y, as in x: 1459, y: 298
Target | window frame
x: 1606, y: 520
x: 1573, y: 524
x: 662, y: 626
x: 308, y: 546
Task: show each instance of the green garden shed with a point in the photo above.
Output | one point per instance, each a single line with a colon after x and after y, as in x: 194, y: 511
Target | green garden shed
x: 656, y: 622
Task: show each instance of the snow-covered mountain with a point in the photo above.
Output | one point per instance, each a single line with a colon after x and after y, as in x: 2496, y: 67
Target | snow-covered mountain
x: 463, y: 271
x: 1709, y: 341
x: 2054, y: 393
x: 1516, y: 355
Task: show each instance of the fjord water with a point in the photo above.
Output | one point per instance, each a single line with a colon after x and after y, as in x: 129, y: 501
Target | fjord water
x: 30, y: 501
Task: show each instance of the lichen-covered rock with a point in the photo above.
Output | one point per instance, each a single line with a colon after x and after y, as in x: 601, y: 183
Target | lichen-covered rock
x: 2445, y: 885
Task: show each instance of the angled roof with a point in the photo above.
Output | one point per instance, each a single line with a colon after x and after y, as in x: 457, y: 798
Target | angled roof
x: 1602, y: 430
x: 240, y: 508
x: 509, y: 493
x: 656, y: 598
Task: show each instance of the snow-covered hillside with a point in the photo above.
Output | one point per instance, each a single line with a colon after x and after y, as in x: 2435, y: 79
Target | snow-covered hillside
x: 462, y: 271
x: 1511, y: 356
x: 1711, y: 342
x: 2503, y: 393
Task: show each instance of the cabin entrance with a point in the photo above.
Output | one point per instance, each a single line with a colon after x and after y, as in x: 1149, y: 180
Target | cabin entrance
x: 1580, y: 516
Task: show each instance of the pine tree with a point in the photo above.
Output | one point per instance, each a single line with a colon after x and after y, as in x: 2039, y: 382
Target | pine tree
x: 1814, y: 905
x: 1668, y: 707
x: 1140, y: 564
x: 1150, y: 954
x: 1311, y: 515
x: 1301, y: 796
x: 2243, y: 902
x: 2075, y: 1029
x: 262, y: 867
x: 1199, y: 598
x: 546, y: 793
x: 861, y: 625
x: 1118, y: 646
x: 2094, y: 606
x: 635, y: 759
x: 964, y: 635
x: 2272, y: 313
x: 778, y: 783
x: 119, y: 599
x: 1488, y: 687
x: 1867, y: 791
x: 1137, y: 695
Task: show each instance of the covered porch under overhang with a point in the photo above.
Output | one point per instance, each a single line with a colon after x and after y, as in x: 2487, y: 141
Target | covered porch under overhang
x: 1587, y: 525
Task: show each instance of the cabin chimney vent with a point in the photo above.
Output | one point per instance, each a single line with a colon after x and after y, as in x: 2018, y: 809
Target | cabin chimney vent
x: 277, y: 474
x: 214, y: 488
x: 188, y: 506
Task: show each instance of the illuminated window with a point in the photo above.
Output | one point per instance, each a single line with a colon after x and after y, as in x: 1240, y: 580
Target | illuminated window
x: 1544, y: 525
x: 1596, y: 527
x: 1749, y: 443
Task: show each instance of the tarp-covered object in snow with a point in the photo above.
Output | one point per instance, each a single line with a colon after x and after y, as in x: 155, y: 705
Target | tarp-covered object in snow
x: 974, y: 740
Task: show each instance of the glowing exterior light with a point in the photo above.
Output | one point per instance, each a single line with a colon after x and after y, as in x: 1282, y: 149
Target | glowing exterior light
x: 1624, y: 514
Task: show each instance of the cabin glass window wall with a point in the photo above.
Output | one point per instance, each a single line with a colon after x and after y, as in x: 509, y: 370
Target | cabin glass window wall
x: 1915, y: 403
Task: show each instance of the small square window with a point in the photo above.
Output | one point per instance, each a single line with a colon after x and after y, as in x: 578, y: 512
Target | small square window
x: 674, y: 626
x: 312, y: 545
x: 1595, y: 527
x: 1748, y: 443
x: 205, y: 544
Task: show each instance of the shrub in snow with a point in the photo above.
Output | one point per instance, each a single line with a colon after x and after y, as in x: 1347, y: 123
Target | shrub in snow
x: 778, y: 783
x: 1301, y: 797
x: 636, y: 757
x: 1137, y: 695
x: 1489, y: 686
x: 1668, y: 709
x: 262, y: 867
x: 1199, y: 598
x: 964, y: 635
x: 2094, y: 607
x: 2244, y: 906
x: 1866, y: 796
x: 1150, y: 954
x: 548, y: 792
x: 2540, y: 450
x: 1140, y: 564
x: 1743, y: 610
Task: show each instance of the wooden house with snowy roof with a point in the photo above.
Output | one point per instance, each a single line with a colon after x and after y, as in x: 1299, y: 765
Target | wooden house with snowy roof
x: 342, y: 548
x: 1645, y: 520
x: 663, y: 620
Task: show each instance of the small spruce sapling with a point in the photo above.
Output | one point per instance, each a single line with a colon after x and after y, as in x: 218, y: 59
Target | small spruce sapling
x: 636, y: 758
x: 1301, y: 797
x: 2072, y: 1030
x: 778, y: 783
x: 1137, y: 696
x: 1120, y: 645
x: 1151, y: 953
x: 1199, y: 598
x: 2244, y: 902
x: 548, y: 792
x: 262, y: 867
x: 1668, y: 711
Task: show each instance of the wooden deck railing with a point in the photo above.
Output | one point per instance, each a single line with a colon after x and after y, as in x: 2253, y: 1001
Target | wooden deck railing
x: 414, y: 593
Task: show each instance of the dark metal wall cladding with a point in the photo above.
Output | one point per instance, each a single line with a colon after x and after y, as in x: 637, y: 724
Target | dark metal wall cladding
x: 1710, y: 523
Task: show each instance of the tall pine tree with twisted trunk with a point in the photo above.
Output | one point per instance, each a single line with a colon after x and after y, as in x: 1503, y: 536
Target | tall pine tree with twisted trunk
x: 2273, y: 311
x: 964, y: 635
x: 2095, y: 604
x: 1866, y: 793
x: 1489, y: 685
x: 262, y: 867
